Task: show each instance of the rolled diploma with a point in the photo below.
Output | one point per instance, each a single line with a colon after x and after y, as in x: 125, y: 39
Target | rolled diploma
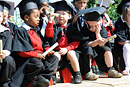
x: 1, y: 51
x: 110, y: 38
x: 51, y: 48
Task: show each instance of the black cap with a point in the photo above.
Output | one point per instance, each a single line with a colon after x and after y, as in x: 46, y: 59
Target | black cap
x: 42, y: 1
x: 92, y: 14
x: 63, y: 6
x: 9, y: 6
x: 123, y: 3
x: 1, y: 6
x: 26, y: 5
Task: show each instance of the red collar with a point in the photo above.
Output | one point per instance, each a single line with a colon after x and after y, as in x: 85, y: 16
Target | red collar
x: 62, y: 26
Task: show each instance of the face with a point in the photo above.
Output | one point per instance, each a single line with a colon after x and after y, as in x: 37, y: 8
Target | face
x: 63, y: 18
x: 81, y: 4
x: 128, y: 17
x: 6, y: 15
x: 33, y: 18
x: 1, y: 17
x: 43, y: 8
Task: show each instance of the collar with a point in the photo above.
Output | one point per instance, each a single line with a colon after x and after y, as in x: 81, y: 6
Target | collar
x: 122, y: 19
x: 2, y: 28
x: 27, y: 27
x: 62, y: 26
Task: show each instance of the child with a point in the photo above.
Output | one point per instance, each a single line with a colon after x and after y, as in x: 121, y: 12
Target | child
x: 62, y: 34
x: 7, y: 65
x: 123, y: 32
x: 8, y: 12
x: 106, y: 22
x: 43, y: 5
x: 94, y: 46
x: 28, y: 50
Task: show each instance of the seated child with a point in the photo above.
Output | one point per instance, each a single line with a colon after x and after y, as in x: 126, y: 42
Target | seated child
x: 28, y: 49
x: 62, y: 34
x: 7, y: 63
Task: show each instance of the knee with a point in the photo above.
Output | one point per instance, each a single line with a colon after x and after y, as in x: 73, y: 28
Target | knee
x: 57, y: 55
x: 71, y: 53
x: 36, y: 63
x: 126, y: 47
x: 108, y: 53
x: 9, y: 61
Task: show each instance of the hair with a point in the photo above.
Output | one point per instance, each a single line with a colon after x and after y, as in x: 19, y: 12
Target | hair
x: 125, y: 11
x: 28, y: 12
x: 78, y: 0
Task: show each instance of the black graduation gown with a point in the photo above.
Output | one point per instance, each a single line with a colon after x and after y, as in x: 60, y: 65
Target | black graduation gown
x: 7, y: 67
x: 30, y: 67
x: 123, y: 33
x: 88, y: 36
x: 12, y: 27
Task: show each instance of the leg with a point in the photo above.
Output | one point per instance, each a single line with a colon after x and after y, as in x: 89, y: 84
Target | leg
x: 71, y: 56
x: 7, y: 69
x: 108, y: 58
x: 126, y: 55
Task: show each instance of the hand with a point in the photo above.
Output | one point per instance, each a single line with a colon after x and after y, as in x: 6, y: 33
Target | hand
x: 3, y: 55
x: 44, y: 10
x: 40, y: 56
x: 63, y: 51
x: 50, y: 53
x: 102, y: 42
x: 51, y: 17
x: 111, y: 24
x: 98, y: 28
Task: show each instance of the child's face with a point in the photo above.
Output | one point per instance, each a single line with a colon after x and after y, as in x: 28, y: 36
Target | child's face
x: 128, y: 17
x: 43, y: 8
x: 1, y: 17
x: 80, y: 5
x: 63, y: 18
x: 33, y: 18
x: 6, y: 15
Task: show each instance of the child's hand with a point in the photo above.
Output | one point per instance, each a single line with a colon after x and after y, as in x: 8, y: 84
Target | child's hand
x: 50, y: 53
x: 40, y: 56
x: 102, y: 42
x: 63, y: 51
x: 3, y: 55
x: 51, y: 17
x: 98, y: 28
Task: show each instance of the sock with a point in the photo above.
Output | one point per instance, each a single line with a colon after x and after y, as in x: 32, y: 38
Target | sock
x: 110, y: 68
x: 77, y: 73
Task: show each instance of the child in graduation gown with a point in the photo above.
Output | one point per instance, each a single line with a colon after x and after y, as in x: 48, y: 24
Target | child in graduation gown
x: 94, y: 46
x: 8, y: 12
x: 28, y: 48
x: 7, y: 65
x: 122, y: 42
x: 62, y: 33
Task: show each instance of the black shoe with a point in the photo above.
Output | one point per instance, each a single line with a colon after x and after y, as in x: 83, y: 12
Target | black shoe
x: 54, y: 79
x: 78, y: 79
x: 40, y: 81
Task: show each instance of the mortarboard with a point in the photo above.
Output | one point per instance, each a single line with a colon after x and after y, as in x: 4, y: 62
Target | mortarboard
x: 1, y: 6
x: 63, y: 6
x: 26, y: 5
x: 9, y: 6
x: 105, y: 3
x: 92, y: 14
x: 120, y: 6
x: 42, y: 1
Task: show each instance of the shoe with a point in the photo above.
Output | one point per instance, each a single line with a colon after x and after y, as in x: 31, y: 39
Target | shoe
x: 91, y: 76
x: 125, y: 72
x: 54, y: 79
x: 114, y: 74
x: 77, y: 79
x: 40, y: 81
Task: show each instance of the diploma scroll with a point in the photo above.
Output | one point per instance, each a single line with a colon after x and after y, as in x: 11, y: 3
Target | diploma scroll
x: 49, y: 13
x: 51, y: 48
x: 1, y: 60
x: 110, y: 38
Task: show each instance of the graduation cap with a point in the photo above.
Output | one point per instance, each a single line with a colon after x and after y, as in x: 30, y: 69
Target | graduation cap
x: 92, y: 14
x: 9, y: 6
x: 42, y: 1
x: 105, y: 3
x: 63, y: 6
x: 26, y: 5
x: 1, y: 6
x: 123, y: 3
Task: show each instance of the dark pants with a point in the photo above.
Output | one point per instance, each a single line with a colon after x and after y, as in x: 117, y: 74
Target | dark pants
x: 34, y: 67
x: 7, y: 69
